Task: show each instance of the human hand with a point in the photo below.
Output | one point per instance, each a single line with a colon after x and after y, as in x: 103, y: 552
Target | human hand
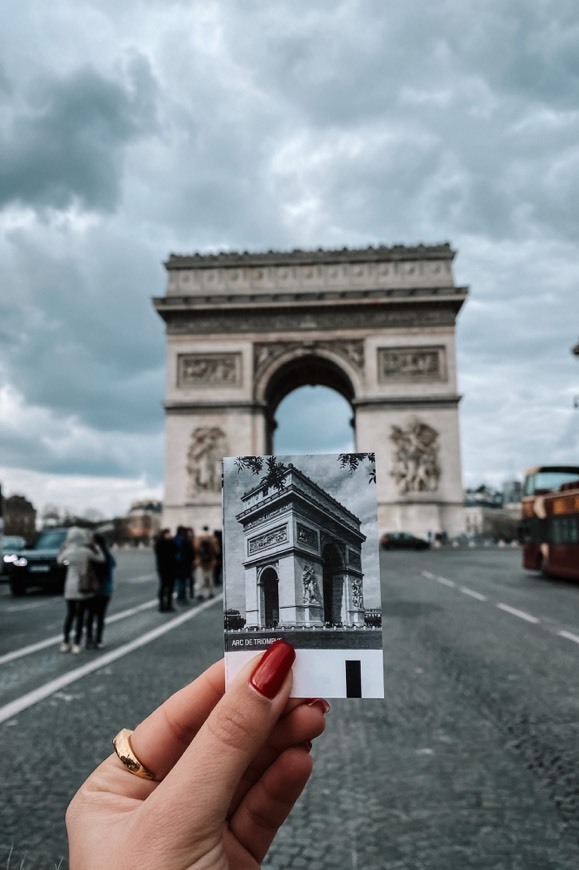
x: 228, y: 770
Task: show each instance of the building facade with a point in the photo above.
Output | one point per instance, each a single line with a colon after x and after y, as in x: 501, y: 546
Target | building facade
x: 375, y: 324
x: 142, y: 523
x: 19, y: 517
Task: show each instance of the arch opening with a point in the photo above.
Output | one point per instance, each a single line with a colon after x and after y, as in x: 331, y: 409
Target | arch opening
x: 333, y: 585
x: 269, y: 598
x: 310, y: 409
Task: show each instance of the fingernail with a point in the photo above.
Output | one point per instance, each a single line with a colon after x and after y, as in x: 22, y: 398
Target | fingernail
x: 319, y: 702
x: 269, y: 675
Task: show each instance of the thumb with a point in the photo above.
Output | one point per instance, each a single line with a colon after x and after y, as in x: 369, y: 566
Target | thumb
x: 206, y: 776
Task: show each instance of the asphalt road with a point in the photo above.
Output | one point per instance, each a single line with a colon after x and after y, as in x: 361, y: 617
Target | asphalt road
x: 471, y: 761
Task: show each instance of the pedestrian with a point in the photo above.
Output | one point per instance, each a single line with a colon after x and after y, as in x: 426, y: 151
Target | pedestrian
x: 78, y: 554
x: 206, y: 780
x: 98, y: 604
x: 165, y: 561
x: 206, y: 553
x: 184, y: 558
x: 218, y: 573
x: 191, y: 537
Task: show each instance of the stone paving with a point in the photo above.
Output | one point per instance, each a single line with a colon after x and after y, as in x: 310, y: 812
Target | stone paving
x: 409, y: 783
x: 454, y: 770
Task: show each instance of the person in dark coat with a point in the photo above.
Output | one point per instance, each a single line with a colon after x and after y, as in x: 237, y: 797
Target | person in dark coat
x: 99, y: 603
x: 184, y: 558
x: 191, y: 536
x: 165, y: 559
x: 218, y: 573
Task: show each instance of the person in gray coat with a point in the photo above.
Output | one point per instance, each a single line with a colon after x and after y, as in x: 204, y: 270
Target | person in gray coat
x: 77, y: 553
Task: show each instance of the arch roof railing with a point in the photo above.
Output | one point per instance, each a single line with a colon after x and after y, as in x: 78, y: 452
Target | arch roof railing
x: 379, y: 253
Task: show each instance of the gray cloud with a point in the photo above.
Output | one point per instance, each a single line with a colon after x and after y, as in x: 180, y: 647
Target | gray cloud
x: 65, y: 140
x: 85, y: 339
x: 130, y: 132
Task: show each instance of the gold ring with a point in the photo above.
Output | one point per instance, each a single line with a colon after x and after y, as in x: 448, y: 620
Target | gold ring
x: 124, y: 750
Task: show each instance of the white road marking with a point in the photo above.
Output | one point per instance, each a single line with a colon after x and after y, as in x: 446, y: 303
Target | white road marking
x: 520, y: 613
x: 20, y: 704
x: 472, y: 593
x: 50, y: 641
x: 31, y: 605
x: 438, y: 579
x: 569, y: 636
x: 142, y: 579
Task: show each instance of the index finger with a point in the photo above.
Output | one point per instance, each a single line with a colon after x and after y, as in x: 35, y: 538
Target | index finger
x: 160, y: 740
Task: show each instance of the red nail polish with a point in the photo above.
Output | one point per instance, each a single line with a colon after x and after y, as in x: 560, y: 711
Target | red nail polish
x: 269, y: 675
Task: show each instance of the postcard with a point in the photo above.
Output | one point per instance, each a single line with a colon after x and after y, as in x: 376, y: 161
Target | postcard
x: 300, y: 562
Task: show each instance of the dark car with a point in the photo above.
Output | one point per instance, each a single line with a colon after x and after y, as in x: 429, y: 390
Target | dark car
x: 403, y: 541
x: 36, y: 566
x: 10, y: 546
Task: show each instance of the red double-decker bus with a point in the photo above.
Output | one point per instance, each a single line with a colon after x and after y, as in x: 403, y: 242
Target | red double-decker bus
x: 550, y: 520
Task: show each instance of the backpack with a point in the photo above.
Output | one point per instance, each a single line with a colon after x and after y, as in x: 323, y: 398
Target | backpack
x: 88, y: 581
x: 205, y: 552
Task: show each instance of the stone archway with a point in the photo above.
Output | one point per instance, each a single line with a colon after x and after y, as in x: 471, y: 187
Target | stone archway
x: 298, y: 369
x: 376, y: 324
x: 269, y: 597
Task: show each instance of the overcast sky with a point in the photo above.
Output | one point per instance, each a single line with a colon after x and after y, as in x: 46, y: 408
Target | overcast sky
x: 129, y: 131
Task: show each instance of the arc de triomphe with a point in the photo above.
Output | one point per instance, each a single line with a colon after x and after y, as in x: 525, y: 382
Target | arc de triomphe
x: 375, y: 324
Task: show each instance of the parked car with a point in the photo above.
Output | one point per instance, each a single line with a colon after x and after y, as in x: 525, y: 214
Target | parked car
x: 403, y: 541
x: 36, y: 566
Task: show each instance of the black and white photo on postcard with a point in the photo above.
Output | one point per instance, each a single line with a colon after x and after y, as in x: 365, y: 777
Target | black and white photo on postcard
x: 301, y: 562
